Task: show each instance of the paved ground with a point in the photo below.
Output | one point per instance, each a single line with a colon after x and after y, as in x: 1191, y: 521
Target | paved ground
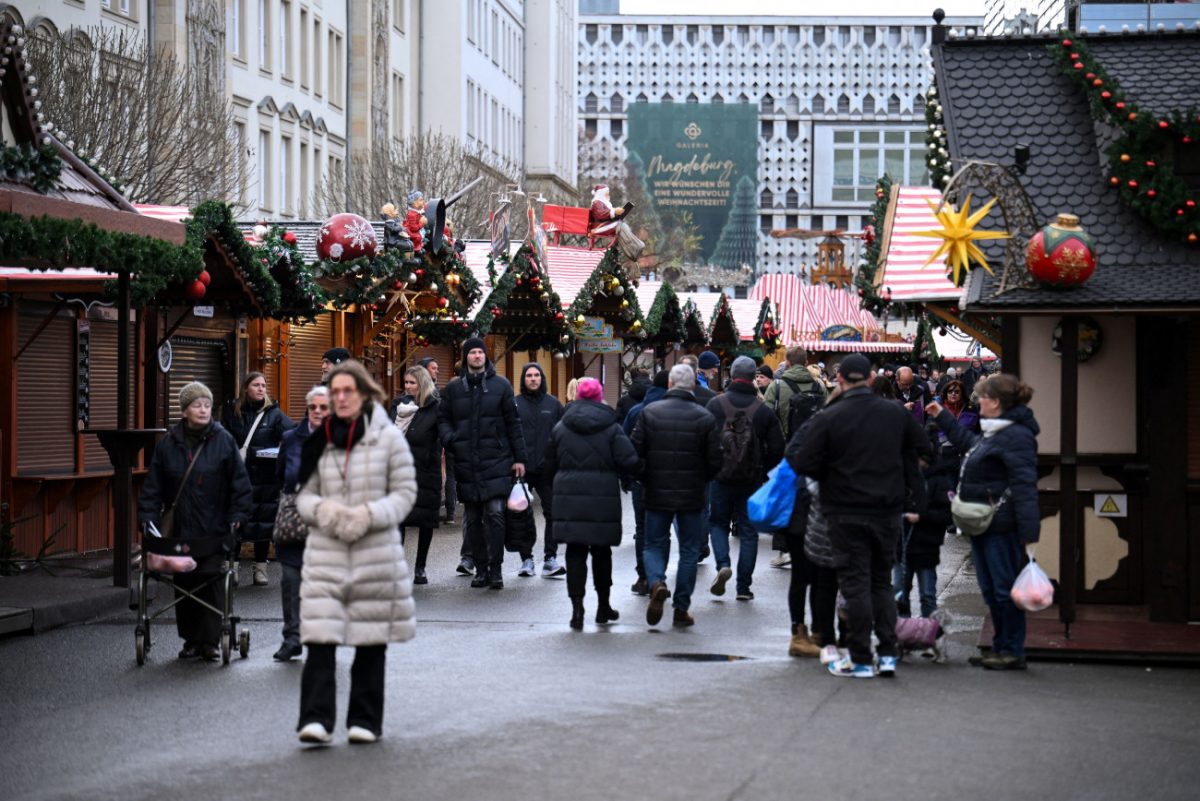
x: 498, y: 699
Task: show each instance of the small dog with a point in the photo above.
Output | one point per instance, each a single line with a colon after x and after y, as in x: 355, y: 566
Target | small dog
x: 924, y: 634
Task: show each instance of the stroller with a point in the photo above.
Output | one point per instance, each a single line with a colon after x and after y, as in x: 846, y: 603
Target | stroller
x: 162, y: 558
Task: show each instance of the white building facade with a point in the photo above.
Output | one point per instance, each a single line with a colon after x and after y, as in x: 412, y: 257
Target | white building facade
x: 1017, y: 16
x: 840, y: 101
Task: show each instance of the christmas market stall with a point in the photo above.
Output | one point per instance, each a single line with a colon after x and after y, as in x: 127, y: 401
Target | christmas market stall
x: 1095, y: 197
x: 695, y: 329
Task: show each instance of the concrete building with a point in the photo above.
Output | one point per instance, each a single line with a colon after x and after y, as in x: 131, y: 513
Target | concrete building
x: 840, y: 100
x: 1002, y: 16
x: 551, y: 124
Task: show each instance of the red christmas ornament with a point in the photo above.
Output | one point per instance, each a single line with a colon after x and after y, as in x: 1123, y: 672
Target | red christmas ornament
x: 1163, y: 124
x: 1187, y: 140
x: 1151, y: 164
x: 1075, y: 56
x: 1132, y: 116
x: 204, y: 277
x: 1061, y: 255
x: 1120, y: 104
x: 1133, y: 184
x: 289, y: 237
x: 1066, y: 42
x: 344, y: 237
x: 1151, y: 193
x: 397, y: 285
x: 196, y: 290
x: 558, y: 317
x: 1191, y: 204
x: 1107, y: 95
x: 1114, y: 180
x: 1078, y: 64
x: 1097, y: 83
x: 420, y: 273
x: 1192, y: 237
x: 443, y: 302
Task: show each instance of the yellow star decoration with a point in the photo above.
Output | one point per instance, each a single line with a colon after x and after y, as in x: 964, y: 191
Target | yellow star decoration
x: 958, y: 237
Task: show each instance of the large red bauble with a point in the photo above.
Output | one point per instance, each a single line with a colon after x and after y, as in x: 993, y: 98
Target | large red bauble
x: 1061, y: 255
x: 344, y: 237
x: 196, y: 290
x: 204, y: 277
x: 289, y: 237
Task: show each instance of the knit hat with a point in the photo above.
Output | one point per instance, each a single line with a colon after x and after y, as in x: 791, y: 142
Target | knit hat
x: 766, y: 371
x: 193, y: 392
x: 709, y: 360
x: 743, y: 368
x: 662, y: 379
x: 854, y: 367
x: 590, y: 389
x: 472, y: 343
x: 336, y: 355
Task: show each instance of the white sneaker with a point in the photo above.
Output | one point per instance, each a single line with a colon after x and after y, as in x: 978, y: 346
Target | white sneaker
x: 315, y: 734
x: 527, y: 568
x: 783, y: 559
x: 360, y: 736
x: 551, y: 567
x: 830, y: 654
x: 260, y: 574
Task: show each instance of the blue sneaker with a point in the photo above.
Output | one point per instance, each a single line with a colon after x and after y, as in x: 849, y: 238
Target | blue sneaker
x: 887, y: 666
x: 847, y: 669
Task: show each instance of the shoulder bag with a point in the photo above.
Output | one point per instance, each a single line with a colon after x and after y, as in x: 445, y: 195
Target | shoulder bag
x: 289, y: 528
x: 973, y: 518
x: 254, y: 427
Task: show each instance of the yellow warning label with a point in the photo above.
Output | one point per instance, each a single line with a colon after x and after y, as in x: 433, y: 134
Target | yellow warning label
x: 1109, y: 507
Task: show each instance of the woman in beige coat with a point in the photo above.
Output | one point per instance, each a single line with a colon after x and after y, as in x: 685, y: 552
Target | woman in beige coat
x: 356, y: 588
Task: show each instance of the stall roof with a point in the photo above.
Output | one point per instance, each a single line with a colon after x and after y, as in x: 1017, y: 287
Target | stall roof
x: 902, y: 269
x: 745, y: 315
x: 807, y: 309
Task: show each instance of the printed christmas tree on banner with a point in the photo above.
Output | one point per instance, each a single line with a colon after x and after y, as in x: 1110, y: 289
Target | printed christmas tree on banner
x: 738, y: 244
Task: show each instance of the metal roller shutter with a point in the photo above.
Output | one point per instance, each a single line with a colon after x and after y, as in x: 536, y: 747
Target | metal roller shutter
x: 308, y: 344
x: 46, y: 393
x: 103, y: 373
x: 443, y: 354
x: 196, y: 359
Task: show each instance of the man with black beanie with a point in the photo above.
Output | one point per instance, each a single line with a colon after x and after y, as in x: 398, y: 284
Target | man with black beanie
x: 331, y: 359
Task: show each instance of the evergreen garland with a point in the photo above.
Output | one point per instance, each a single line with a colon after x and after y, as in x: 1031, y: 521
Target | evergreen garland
x: 864, y: 278
x: 937, y: 152
x: 665, y: 321
x: 37, y: 167
x: 722, y: 312
x: 695, y: 332
x: 1141, y: 160
x: 214, y: 219
x: 766, y: 335
x: 524, y: 305
x: 598, y: 298
x: 301, y: 299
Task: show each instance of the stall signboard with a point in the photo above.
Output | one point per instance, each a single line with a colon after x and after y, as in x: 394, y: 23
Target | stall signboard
x: 599, y: 345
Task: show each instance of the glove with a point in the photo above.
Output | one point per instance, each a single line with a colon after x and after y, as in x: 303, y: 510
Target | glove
x: 352, y: 523
x: 328, y: 513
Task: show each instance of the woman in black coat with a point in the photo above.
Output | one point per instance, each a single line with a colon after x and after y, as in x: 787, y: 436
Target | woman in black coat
x: 239, y: 419
x: 1000, y: 468
x: 920, y: 547
x: 587, y: 455
x: 416, y: 414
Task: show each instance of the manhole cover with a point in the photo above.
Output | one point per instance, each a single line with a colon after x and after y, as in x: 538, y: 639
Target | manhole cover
x: 704, y: 657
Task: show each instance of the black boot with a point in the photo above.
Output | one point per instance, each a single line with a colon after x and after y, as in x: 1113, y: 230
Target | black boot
x: 604, y: 612
x: 495, y: 577
x: 481, y: 575
x: 577, y: 613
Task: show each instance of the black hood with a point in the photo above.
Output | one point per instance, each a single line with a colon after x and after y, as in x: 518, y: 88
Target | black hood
x: 637, y: 390
x: 588, y: 417
x: 541, y: 389
x: 1023, y: 416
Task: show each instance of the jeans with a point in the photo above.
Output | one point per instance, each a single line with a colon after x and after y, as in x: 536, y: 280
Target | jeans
x: 483, y: 525
x: 658, y: 551
x: 639, y: 529
x: 902, y: 580
x: 577, y: 555
x: 727, y: 508
x: 998, y: 559
x: 289, y: 592
x: 318, y: 687
x: 865, y: 547
x: 542, y: 484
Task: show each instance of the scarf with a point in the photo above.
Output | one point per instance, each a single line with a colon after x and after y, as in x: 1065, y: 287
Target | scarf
x: 406, y: 411
x: 341, y: 434
x: 193, y: 436
x: 993, y: 425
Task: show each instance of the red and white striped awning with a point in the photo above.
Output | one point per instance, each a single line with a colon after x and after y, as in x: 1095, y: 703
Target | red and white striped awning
x: 745, y: 316
x: 903, y: 269
x: 806, y: 309
x: 168, y: 213
x: 846, y: 346
x: 570, y: 268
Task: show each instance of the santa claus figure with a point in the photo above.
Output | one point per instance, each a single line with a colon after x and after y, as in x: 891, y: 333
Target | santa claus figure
x: 415, y: 220
x: 604, y: 220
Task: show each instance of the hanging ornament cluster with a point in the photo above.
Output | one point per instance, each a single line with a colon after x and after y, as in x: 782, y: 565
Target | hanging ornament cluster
x: 959, y: 235
x: 937, y: 153
x: 1061, y: 255
x: 1144, y: 157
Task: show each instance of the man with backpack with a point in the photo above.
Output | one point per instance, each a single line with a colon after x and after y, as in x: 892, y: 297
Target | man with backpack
x: 751, y: 444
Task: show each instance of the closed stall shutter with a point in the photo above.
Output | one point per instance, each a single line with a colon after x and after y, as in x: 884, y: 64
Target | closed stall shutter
x: 270, y: 367
x: 103, y: 373
x: 308, y: 344
x: 442, y: 354
x: 195, y: 359
x: 46, y: 393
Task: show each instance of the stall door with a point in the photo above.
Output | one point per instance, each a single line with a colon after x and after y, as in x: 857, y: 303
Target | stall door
x: 198, y: 359
x: 307, y: 344
x: 46, y: 393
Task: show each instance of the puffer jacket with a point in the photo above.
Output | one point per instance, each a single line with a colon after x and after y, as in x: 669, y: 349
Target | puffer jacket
x: 817, y: 545
x: 681, y: 447
x: 539, y: 412
x: 1005, y: 459
x: 218, y: 493
x: 587, y: 455
x: 262, y: 470
x: 478, y: 424
x: 360, y: 592
x: 422, y: 439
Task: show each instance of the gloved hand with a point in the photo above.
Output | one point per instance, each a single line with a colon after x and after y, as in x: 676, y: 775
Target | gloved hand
x: 328, y: 513
x: 352, y: 523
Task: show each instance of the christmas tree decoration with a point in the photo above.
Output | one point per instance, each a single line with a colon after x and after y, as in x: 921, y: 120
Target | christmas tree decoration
x: 530, y: 318
x: 204, y: 278
x: 598, y: 298
x: 737, y: 245
x: 935, y: 142
x: 344, y: 237
x: 1061, y: 255
x: 959, y: 235
x: 196, y: 290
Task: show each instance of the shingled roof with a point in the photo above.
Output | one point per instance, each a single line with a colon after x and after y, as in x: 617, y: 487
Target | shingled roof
x: 1000, y: 92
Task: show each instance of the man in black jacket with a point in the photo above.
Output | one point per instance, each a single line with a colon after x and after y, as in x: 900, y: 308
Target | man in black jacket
x: 677, y: 440
x: 740, y: 407
x: 539, y: 412
x: 477, y: 420
x: 639, y: 382
x: 702, y: 392
x: 863, y: 452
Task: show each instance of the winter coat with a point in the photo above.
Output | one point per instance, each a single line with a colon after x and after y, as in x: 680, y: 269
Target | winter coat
x: 817, y: 545
x: 929, y: 532
x: 970, y: 377
x: 218, y: 492
x: 587, y: 455
x: 478, y: 423
x: 539, y: 412
x: 766, y: 427
x: 916, y: 395
x: 287, y: 473
x: 635, y: 395
x: 653, y: 395
x: 1003, y: 460
x: 422, y: 439
x: 681, y: 447
x: 863, y: 450
x: 359, y: 592
x: 779, y: 394
x: 262, y: 470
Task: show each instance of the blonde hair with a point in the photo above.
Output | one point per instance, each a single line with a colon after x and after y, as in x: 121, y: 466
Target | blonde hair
x: 246, y: 382
x: 572, y: 389
x: 425, y: 387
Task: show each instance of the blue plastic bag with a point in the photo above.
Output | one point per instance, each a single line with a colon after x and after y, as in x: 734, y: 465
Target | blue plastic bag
x: 770, y: 508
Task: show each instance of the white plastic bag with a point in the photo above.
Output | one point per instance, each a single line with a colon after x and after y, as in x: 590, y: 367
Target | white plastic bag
x: 518, y: 498
x: 1032, y: 591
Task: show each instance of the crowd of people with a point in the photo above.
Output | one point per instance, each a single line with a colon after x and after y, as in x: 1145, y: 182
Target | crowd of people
x: 881, y: 454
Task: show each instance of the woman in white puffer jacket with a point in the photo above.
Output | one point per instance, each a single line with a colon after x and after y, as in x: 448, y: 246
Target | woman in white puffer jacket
x: 356, y: 588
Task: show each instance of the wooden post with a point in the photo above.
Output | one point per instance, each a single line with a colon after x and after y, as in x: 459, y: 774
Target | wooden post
x: 123, y: 468
x: 1068, y: 547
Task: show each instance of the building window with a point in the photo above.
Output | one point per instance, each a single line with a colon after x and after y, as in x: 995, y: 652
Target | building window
x: 471, y: 110
x: 397, y: 106
x: 398, y: 12
x: 239, y: 181
x: 304, y: 61
x: 317, y: 39
x: 861, y: 156
x: 472, y: 21
x: 336, y: 54
x: 237, y: 11
x: 616, y: 128
x: 264, y: 170
x: 264, y: 35
x: 285, y: 39
x: 304, y: 180
x: 287, y: 188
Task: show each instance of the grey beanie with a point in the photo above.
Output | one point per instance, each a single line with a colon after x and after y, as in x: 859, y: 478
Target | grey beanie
x: 193, y: 392
x: 743, y: 367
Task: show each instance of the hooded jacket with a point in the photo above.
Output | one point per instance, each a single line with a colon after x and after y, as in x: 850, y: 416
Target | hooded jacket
x: 653, y: 394
x: 779, y: 394
x: 539, y: 412
x: 929, y: 532
x: 1004, y: 460
x: 588, y: 454
x: 478, y: 423
x: 679, y: 442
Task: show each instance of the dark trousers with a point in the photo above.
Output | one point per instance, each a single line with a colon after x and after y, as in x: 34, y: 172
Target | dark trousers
x: 865, y: 547
x: 289, y: 592
x: 639, y: 528
x: 424, y: 540
x: 318, y: 688
x: 451, y: 485
x: 483, y: 524
x: 196, y: 624
x: 824, y: 590
x: 577, y: 569
x: 542, y: 483
x: 261, y: 549
x: 998, y: 559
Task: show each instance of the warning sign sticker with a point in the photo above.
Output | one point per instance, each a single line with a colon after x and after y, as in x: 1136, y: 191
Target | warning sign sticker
x: 1108, y: 504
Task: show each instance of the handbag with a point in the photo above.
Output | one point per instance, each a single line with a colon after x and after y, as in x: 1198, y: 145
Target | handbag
x: 972, y: 518
x: 168, y: 517
x: 289, y: 528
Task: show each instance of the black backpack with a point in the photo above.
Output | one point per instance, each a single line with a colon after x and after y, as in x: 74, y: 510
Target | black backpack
x: 741, y: 451
x: 802, y: 405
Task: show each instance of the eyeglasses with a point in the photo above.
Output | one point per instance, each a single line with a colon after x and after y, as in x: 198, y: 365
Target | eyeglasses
x: 954, y: 392
x: 312, y: 407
